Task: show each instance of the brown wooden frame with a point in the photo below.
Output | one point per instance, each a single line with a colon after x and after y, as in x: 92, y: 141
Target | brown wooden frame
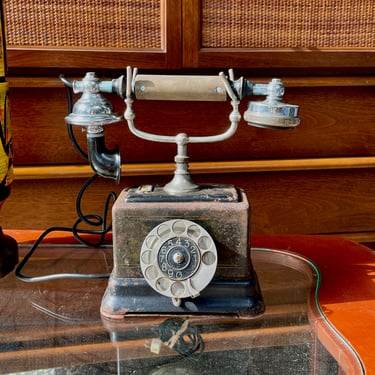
x: 23, y: 59
x: 194, y: 56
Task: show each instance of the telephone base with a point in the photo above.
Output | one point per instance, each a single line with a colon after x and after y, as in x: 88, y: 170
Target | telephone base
x: 133, y: 296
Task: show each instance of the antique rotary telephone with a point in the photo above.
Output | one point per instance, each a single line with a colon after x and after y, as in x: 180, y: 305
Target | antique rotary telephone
x: 182, y: 247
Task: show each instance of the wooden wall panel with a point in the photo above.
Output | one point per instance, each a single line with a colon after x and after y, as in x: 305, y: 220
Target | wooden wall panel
x: 318, y: 178
x: 335, y: 121
x: 317, y: 202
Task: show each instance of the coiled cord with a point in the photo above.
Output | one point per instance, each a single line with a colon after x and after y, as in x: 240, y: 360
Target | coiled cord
x: 93, y: 220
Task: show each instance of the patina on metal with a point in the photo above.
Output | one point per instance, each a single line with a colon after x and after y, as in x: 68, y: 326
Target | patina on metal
x: 182, y: 247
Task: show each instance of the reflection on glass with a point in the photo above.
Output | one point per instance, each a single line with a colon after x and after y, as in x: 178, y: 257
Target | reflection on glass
x: 55, y: 327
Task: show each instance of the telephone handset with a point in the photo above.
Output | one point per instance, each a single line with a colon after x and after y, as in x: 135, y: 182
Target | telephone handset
x: 181, y: 247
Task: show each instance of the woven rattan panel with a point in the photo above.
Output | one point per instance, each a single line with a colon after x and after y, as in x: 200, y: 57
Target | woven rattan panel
x: 84, y: 23
x: 288, y: 23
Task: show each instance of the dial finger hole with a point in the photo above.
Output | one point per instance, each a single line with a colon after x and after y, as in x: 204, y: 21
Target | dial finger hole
x: 204, y: 242
x: 151, y: 273
x: 194, y: 231
x: 209, y: 258
x: 177, y: 289
x: 148, y: 257
x: 178, y: 227
x: 196, y: 285
x: 162, y: 284
x: 163, y: 230
x: 151, y: 241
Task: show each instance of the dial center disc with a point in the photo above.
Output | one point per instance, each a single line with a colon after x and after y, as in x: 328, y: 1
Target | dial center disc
x: 179, y: 258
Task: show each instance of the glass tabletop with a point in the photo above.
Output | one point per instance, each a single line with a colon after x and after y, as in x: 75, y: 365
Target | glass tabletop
x: 55, y: 326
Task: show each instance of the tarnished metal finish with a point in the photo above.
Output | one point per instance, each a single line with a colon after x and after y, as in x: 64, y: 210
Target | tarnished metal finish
x: 227, y: 222
x: 224, y: 222
x: 105, y: 162
x: 271, y: 113
x: 92, y: 108
x: 163, y: 87
x: 134, y: 296
x: 93, y: 111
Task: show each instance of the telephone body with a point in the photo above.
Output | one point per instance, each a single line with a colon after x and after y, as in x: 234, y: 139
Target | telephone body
x: 182, y: 254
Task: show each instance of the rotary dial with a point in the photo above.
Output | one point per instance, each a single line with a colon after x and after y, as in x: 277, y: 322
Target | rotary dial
x: 178, y: 258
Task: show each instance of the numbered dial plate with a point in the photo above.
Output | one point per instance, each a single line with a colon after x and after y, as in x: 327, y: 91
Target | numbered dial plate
x: 178, y: 258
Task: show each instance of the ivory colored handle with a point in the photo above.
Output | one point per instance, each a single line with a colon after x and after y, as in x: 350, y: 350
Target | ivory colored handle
x: 185, y: 88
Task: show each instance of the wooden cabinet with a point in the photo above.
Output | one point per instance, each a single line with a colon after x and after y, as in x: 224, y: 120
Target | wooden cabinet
x: 50, y: 36
x: 275, y: 36
x: 279, y: 34
x: 318, y: 178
